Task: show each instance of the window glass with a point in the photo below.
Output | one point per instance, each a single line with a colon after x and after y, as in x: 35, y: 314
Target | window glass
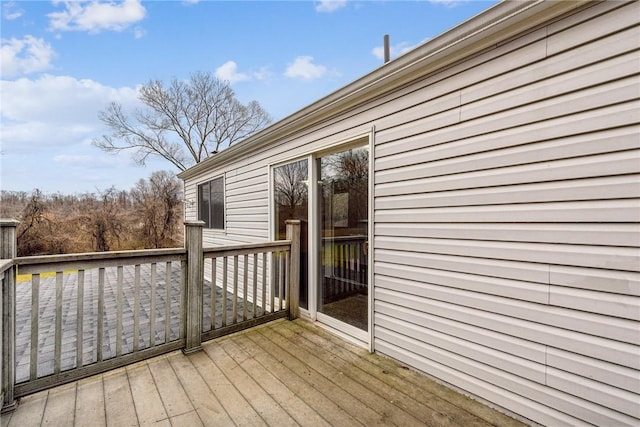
x: 211, y: 203
x: 290, y: 194
x: 343, y: 257
x: 291, y: 201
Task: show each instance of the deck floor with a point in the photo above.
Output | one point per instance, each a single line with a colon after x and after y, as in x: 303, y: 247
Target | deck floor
x: 283, y: 373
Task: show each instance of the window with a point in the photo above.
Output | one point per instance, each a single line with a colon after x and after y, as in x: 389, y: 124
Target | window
x: 211, y: 203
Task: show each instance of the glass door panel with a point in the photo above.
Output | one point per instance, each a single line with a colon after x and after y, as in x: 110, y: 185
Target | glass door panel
x: 343, y: 207
x: 291, y: 201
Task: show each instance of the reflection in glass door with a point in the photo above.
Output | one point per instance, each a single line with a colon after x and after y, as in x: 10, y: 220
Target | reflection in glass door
x: 291, y: 202
x: 343, y: 221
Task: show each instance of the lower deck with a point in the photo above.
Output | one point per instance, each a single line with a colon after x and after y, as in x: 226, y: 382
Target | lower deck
x: 281, y: 373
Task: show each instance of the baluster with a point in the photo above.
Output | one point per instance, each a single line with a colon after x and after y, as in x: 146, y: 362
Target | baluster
x: 35, y: 315
x: 80, y: 320
x: 152, y: 310
x: 119, y: 311
x: 100, y: 313
x: 183, y: 302
x: 281, y: 276
x: 214, y: 290
x: 358, y: 258
x: 234, y: 302
x: 57, y: 347
x: 352, y: 267
x: 223, y: 315
x: 287, y: 280
x: 255, y: 285
x: 264, y: 282
x: 272, y: 284
x: 136, y: 309
x: 244, y: 286
x: 167, y: 301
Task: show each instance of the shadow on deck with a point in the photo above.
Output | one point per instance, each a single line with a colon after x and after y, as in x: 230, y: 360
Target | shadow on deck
x: 281, y: 373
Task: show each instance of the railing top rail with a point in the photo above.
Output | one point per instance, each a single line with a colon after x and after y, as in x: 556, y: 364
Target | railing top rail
x: 5, y: 264
x: 97, y: 256
x: 356, y: 237
x: 38, y: 264
x: 249, y: 248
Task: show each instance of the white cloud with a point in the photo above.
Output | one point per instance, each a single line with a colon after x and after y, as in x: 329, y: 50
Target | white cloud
x: 139, y: 33
x: 95, y: 16
x: 229, y: 72
x: 9, y: 11
x: 394, y: 50
x: 24, y: 56
x: 55, y: 110
x: 448, y: 3
x: 263, y: 74
x: 330, y: 5
x: 304, y: 68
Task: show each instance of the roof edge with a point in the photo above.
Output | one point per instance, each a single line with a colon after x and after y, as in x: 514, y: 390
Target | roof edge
x: 493, y: 25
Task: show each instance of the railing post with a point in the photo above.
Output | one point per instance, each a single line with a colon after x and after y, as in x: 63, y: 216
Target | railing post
x: 293, y: 292
x: 195, y: 284
x: 8, y: 250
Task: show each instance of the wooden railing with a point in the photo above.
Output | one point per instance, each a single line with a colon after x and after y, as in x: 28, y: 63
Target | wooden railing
x: 66, y: 317
x: 345, y: 267
x: 244, y: 286
x: 96, y: 312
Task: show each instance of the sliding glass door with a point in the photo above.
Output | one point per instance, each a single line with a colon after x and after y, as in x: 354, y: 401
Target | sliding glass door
x: 343, y: 207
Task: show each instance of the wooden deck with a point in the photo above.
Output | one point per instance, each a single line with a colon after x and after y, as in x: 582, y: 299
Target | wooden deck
x: 283, y: 373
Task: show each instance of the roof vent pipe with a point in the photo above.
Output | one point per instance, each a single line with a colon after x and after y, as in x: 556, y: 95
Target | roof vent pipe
x: 386, y: 48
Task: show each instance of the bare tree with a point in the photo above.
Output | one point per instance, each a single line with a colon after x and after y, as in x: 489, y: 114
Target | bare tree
x: 290, y: 184
x: 38, y: 232
x: 158, y: 203
x: 103, y: 219
x: 291, y: 193
x: 184, y: 122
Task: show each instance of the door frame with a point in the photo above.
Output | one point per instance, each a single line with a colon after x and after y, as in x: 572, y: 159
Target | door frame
x: 347, y: 332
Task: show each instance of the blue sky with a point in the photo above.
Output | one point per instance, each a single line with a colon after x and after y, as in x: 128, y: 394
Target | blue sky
x: 62, y: 62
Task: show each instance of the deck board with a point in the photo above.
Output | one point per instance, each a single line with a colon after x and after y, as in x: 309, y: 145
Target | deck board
x: 300, y: 411
x: 264, y: 404
x: 203, y: 400
x: 339, y: 396
x: 283, y: 373
x: 61, y: 405
x: 296, y: 382
x: 325, y: 365
x: 118, y: 401
x: 350, y: 365
x: 90, y: 402
x: 230, y: 398
x: 174, y: 397
x: 434, y: 410
x: 146, y: 398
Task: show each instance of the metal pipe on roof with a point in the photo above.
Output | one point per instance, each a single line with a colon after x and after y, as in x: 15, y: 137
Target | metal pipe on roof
x: 386, y: 48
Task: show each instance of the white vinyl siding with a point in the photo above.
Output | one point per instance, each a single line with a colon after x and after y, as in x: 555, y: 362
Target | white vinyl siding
x: 507, y: 227
x: 506, y: 216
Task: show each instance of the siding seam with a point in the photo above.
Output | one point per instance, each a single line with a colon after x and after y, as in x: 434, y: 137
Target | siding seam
x: 546, y: 42
x: 546, y: 346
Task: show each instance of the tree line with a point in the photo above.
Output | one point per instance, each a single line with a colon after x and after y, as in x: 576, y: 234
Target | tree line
x: 183, y: 122
x: 148, y: 216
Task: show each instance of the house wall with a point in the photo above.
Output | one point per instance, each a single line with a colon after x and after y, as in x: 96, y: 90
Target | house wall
x: 507, y: 211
